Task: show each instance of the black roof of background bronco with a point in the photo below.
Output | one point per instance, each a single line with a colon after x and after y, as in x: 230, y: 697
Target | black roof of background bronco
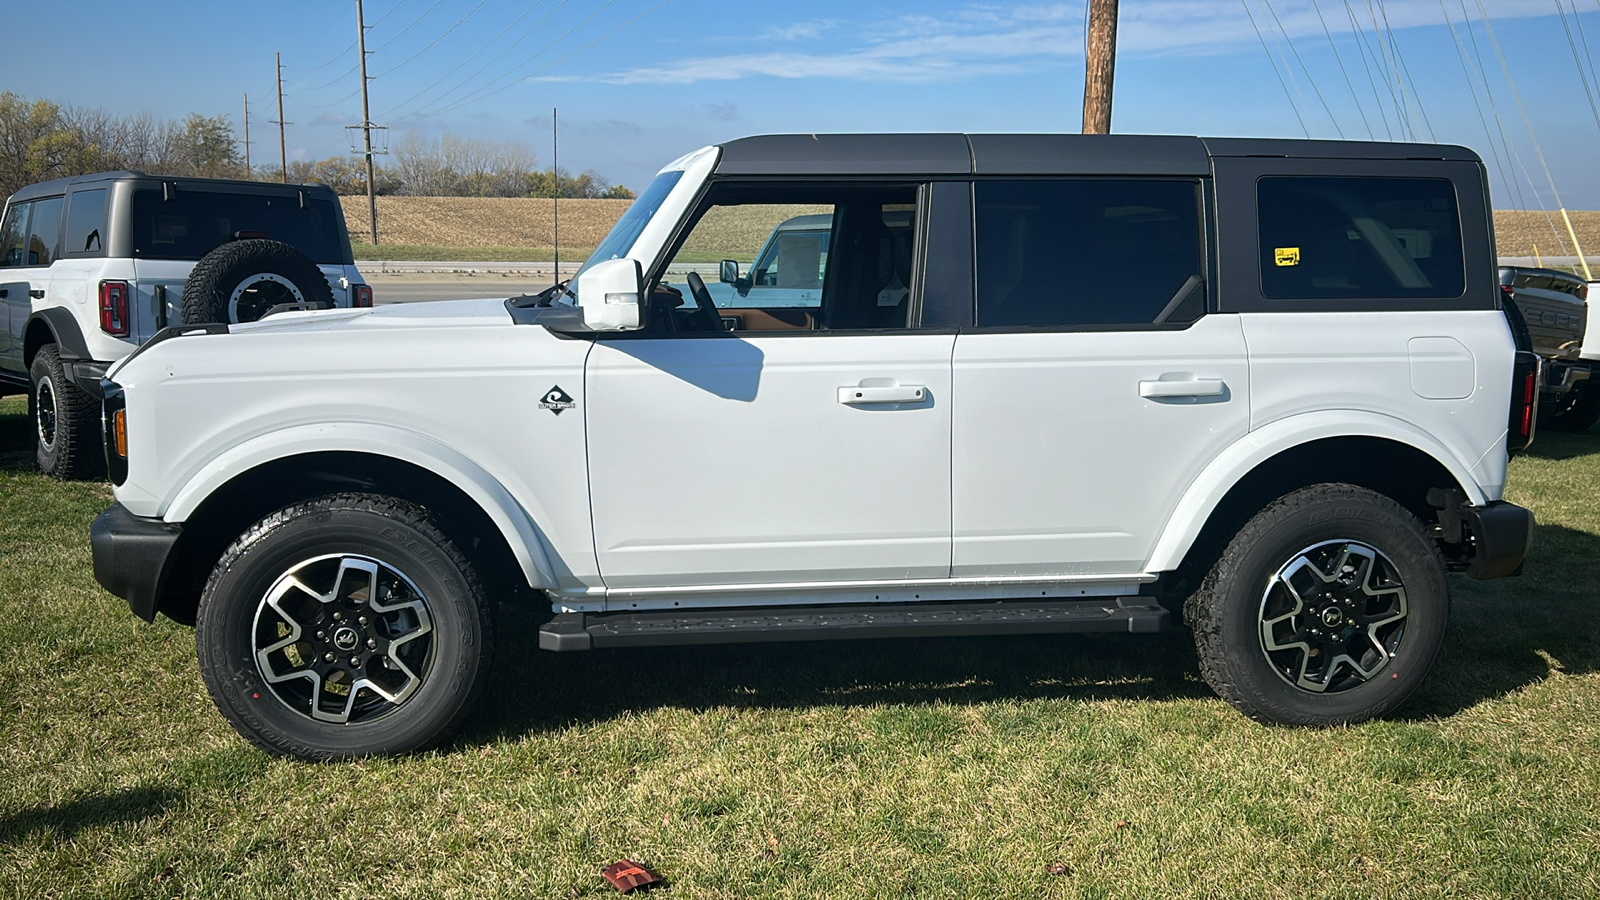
x: 1035, y: 154
x: 57, y: 186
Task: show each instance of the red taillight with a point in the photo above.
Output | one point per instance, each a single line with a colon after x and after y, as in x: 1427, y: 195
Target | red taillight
x: 114, y: 308
x: 361, y: 295
x: 1583, y: 292
x: 1524, y: 402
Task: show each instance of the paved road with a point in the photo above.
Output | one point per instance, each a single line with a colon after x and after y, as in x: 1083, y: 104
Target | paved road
x: 415, y: 288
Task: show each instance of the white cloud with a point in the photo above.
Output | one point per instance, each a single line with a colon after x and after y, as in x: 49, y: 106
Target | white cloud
x: 986, y: 39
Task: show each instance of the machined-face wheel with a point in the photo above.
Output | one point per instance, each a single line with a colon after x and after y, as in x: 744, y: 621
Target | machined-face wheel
x: 45, y: 413
x: 343, y: 638
x: 1333, y: 616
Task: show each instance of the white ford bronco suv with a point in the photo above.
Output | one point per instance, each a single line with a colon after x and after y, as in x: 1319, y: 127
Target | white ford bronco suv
x: 94, y: 265
x: 1263, y: 384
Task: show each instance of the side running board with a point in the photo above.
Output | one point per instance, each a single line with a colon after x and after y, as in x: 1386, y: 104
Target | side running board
x: 594, y: 631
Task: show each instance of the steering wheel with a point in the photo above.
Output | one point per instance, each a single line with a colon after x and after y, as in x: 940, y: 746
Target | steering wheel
x: 705, y: 309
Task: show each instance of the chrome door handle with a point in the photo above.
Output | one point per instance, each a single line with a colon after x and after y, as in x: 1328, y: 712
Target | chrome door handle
x: 1188, y: 387
x: 860, y: 395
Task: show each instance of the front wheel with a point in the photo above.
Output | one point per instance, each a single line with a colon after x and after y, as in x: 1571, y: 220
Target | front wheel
x: 1327, y: 608
x: 345, y: 626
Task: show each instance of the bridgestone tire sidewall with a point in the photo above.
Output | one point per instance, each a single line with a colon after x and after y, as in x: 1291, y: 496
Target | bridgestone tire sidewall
x: 1271, y: 540
x: 224, y: 635
x: 219, y: 273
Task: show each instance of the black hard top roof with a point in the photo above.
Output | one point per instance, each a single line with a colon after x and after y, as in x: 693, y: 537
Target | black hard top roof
x: 58, y: 186
x: 1034, y: 154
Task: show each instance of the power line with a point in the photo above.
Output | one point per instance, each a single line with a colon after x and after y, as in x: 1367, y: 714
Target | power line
x: 1416, y: 95
x: 414, y: 24
x: 461, y: 65
x: 1309, y: 77
x: 435, y: 40
x: 481, y: 69
x: 1340, y: 60
x: 342, y: 76
x: 1461, y: 55
x: 1391, y: 75
x: 336, y: 58
x: 1362, y: 48
x: 1274, y: 63
x: 383, y: 18
x: 546, y: 68
x: 1577, y: 59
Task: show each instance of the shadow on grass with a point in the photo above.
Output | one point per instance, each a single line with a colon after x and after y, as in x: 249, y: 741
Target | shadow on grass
x: 1504, y: 636
x: 1559, y: 445
x: 67, y: 819
x: 16, y: 436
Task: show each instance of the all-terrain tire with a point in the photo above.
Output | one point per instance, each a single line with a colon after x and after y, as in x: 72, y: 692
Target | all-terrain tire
x: 239, y: 281
x: 1227, y: 612
x: 66, y: 421
x: 236, y: 625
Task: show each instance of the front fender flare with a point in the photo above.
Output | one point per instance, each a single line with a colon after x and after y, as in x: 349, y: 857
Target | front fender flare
x: 1255, y: 448
x: 509, y: 516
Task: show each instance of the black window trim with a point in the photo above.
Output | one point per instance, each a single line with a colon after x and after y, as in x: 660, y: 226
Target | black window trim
x: 61, y: 223
x: 27, y: 225
x: 105, y: 224
x: 701, y: 203
x: 1204, y: 206
x: 1238, y: 244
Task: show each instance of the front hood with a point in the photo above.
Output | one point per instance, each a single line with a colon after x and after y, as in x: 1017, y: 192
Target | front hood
x: 488, y: 311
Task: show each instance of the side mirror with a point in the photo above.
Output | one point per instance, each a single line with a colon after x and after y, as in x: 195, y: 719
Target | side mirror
x: 728, y: 272
x: 611, y: 295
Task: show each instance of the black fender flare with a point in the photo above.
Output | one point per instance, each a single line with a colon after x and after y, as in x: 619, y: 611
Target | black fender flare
x: 63, y: 328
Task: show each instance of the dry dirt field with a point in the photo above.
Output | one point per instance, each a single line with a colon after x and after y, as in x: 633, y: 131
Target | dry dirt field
x: 515, y: 222
x: 482, y: 221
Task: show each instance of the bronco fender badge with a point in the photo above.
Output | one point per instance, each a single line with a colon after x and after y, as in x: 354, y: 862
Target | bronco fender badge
x: 556, y: 400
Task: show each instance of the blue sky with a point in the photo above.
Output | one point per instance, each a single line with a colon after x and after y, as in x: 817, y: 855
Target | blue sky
x: 639, y: 82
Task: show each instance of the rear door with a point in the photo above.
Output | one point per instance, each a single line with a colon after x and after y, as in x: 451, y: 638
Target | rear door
x: 1096, y: 385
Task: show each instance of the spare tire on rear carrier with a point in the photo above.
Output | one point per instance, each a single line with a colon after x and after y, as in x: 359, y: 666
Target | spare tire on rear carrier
x: 241, y: 281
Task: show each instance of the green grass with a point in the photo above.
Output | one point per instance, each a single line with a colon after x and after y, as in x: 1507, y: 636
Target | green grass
x: 927, y: 768
x: 431, y: 252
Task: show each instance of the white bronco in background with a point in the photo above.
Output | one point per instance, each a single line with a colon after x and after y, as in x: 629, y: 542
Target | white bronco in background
x: 1046, y: 384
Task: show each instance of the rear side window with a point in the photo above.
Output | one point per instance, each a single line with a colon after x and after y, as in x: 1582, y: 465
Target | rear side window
x: 1359, y: 238
x: 193, y: 223
x: 1090, y: 252
x: 86, y: 223
x: 43, y: 231
x: 14, y: 235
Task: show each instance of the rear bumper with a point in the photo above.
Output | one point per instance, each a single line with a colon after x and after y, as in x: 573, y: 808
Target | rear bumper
x: 1502, y: 533
x: 131, y: 555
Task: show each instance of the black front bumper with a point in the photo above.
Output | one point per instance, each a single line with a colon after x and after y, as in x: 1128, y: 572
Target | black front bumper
x: 1502, y: 533
x: 131, y: 554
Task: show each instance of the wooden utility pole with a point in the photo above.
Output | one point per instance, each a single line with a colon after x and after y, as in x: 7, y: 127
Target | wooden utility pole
x: 283, y: 152
x: 1100, y: 62
x: 247, y: 133
x: 366, y: 123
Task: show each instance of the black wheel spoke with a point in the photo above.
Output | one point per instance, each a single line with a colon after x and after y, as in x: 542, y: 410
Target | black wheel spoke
x: 343, y: 638
x: 1332, y: 616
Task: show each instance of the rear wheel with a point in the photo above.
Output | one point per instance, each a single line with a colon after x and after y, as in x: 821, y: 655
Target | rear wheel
x: 345, y: 626
x: 1327, y: 608
x: 65, y: 420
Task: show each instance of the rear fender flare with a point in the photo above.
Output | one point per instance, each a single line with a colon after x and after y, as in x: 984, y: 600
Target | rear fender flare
x: 1255, y: 448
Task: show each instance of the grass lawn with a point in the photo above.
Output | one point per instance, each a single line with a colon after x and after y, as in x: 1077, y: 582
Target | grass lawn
x: 953, y: 768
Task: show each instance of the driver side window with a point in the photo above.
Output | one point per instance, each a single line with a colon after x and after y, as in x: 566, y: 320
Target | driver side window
x: 791, y: 259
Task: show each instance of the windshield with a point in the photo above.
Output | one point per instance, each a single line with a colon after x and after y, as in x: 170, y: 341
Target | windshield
x: 620, y: 239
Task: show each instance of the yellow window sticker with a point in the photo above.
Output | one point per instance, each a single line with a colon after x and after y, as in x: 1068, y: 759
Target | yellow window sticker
x: 1287, y: 256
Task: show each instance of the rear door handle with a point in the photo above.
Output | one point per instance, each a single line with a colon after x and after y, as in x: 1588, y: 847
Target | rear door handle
x: 37, y: 295
x: 1188, y: 387
x: 861, y: 395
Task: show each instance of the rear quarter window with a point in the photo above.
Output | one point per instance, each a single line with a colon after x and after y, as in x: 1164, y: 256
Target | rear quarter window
x: 193, y: 223
x: 1327, y: 238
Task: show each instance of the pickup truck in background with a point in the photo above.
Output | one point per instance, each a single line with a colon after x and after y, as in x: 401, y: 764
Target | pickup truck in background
x: 1554, y: 312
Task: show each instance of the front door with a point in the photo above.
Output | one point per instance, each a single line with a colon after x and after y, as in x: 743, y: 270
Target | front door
x: 14, y: 287
x: 734, y: 444
x: 1096, y: 385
